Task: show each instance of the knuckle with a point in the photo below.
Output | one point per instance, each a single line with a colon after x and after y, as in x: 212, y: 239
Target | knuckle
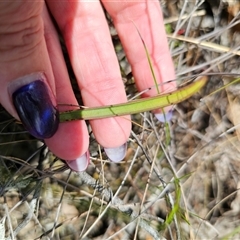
x: 20, y: 31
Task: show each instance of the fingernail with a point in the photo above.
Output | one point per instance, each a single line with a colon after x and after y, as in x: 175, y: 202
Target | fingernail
x: 166, y: 117
x: 33, y: 102
x: 80, y: 164
x: 116, y: 154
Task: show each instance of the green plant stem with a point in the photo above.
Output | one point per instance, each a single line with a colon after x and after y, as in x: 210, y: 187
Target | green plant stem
x: 135, y: 106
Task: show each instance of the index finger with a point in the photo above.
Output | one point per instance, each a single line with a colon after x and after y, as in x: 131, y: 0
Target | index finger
x: 86, y: 34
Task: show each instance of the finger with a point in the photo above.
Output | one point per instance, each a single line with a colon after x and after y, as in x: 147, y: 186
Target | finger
x: 21, y: 42
x: 23, y: 52
x: 147, y: 17
x: 24, y: 59
x: 95, y: 64
x: 71, y: 140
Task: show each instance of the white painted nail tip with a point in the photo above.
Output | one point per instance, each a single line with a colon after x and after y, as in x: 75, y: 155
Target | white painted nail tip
x: 80, y: 164
x: 116, y: 154
x: 166, y: 118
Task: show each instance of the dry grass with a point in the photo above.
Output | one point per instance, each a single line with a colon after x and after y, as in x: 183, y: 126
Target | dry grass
x: 186, y: 188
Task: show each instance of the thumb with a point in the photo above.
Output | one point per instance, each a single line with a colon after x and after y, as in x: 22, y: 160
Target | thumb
x: 23, y: 51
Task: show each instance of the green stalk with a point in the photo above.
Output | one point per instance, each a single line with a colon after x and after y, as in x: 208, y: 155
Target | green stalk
x: 135, y: 106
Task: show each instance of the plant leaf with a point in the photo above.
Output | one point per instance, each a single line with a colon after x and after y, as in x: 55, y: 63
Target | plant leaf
x: 135, y: 106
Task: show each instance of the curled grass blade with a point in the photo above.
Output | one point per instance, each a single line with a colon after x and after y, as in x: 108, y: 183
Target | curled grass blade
x: 135, y: 106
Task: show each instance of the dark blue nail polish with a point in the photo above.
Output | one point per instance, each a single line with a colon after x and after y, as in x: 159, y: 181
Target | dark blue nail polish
x: 35, y: 109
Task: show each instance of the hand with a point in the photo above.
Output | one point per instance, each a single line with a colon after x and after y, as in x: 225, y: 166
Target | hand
x: 34, y: 78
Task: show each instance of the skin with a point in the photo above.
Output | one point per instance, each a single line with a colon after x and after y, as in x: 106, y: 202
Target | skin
x: 29, y: 43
